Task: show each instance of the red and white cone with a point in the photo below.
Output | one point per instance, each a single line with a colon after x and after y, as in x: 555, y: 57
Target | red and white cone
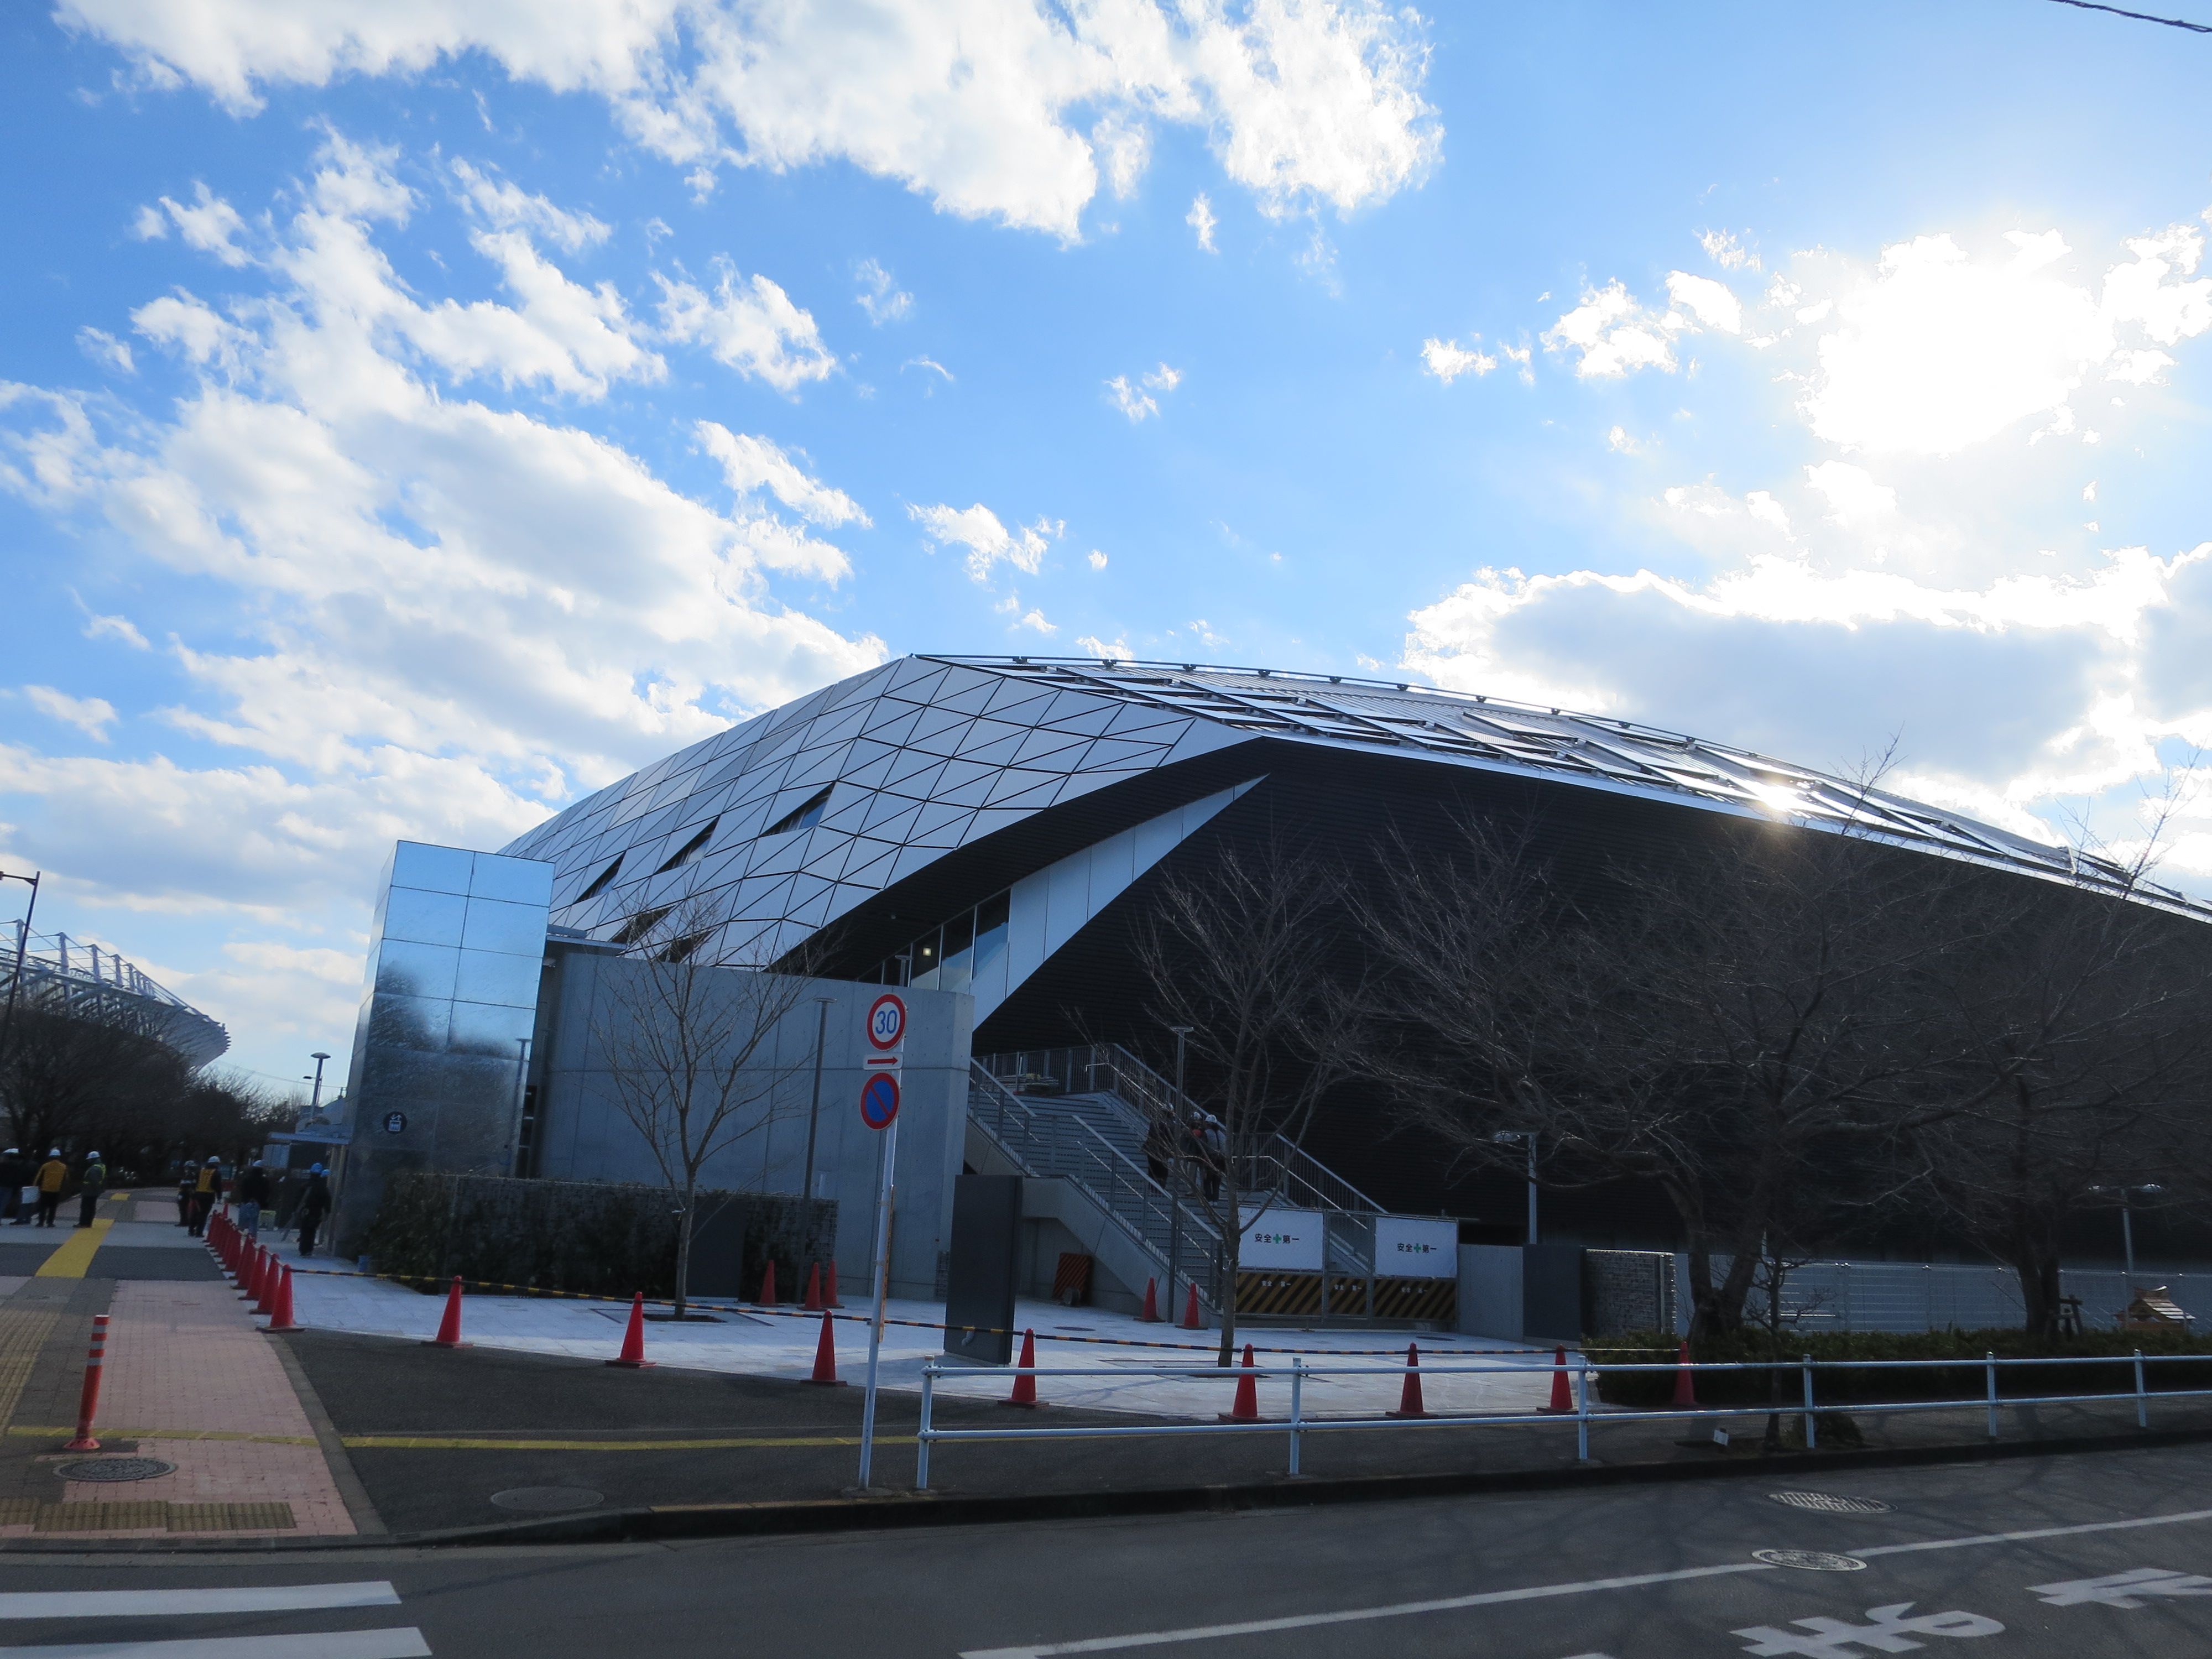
x: 1024, y: 1392
x: 265, y: 1291
x: 825, y: 1358
x: 1562, y: 1400
x: 1409, y: 1397
x: 449, y: 1328
x: 1686, y: 1383
x: 768, y: 1285
x: 812, y: 1301
x: 1247, y: 1407
x: 281, y: 1319
x: 87, y: 1400
x: 632, y: 1356
x: 1152, y: 1313
x: 1190, y: 1311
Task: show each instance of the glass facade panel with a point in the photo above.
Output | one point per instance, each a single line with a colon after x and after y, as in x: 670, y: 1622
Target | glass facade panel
x: 516, y: 881
x: 428, y: 918
x: 519, y: 930
x: 495, y: 976
x: 435, y: 869
x: 417, y: 970
x: 958, y: 946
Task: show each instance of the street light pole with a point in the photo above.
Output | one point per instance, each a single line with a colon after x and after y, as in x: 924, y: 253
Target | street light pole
x: 315, y: 1101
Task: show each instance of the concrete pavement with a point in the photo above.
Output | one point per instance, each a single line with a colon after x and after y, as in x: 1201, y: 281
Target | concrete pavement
x: 2095, y: 1556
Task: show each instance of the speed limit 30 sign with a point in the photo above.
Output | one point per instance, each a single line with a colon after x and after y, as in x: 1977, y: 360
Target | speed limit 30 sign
x: 887, y: 1022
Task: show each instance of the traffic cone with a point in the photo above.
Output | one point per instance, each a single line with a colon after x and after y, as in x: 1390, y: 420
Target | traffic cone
x: 825, y: 1358
x: 813, y: 1301
x: 1686, y: 1383
x: 247, y: 1268
x: 1152, y: 1313
x: 1409, y: 1397
x: 283, y: 1319
x: 264, y: 1288
x: 1190, y: 1311
x: 829, y: 1286
x: 449, y: 1328
x: 1561, y: 1400
x: 632, y: 1356
x: 1247, y: 1407
x: 767, y: 1285
x: 1024, y: 1392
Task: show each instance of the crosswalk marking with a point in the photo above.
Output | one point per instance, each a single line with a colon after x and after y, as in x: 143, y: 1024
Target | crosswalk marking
x: 399, y: 1644
x: 134, y: 1603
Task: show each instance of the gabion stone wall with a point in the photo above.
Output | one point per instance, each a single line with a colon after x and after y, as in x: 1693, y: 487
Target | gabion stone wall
x: 598, y: 1238
x: 1627, y: 1290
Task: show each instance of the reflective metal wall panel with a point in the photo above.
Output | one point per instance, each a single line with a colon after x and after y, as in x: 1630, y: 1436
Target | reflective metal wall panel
x: 442, y: 1047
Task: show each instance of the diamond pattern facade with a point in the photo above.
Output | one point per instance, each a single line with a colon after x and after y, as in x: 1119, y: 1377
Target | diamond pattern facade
x: 794, y: 819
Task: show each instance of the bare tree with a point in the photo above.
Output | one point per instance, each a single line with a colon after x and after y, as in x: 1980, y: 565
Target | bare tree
x: 1243, y: 949
x: 2077, y: 1059
x: 1735, y: 1030
x: 687, y: 1043
x: 75, y: 1067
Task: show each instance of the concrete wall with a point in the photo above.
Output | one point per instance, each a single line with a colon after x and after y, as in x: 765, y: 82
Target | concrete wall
x: 581, y: 1134
x: 1490, y: 1290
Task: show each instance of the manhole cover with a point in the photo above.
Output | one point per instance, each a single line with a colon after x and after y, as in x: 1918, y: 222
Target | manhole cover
x: 1829, y: 1503
x: 115, y: 1468
x: 1809, y: 1560
x: 548, y: 1499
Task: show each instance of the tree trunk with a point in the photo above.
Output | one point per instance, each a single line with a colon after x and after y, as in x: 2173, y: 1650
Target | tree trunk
x: 683, y: 1246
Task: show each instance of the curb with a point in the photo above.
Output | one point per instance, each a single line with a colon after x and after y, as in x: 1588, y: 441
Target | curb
x: 901, y: 1511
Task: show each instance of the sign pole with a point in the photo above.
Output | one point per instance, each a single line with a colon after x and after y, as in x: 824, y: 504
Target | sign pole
x: 884, y: 1198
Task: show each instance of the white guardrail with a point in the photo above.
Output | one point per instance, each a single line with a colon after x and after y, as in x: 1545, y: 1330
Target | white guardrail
x: 1299, y: 1424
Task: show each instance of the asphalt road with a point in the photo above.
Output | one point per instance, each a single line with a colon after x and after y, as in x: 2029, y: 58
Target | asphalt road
x: 2080, y: 1555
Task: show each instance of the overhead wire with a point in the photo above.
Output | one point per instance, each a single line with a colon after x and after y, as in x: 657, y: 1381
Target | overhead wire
x: 2139, y: 16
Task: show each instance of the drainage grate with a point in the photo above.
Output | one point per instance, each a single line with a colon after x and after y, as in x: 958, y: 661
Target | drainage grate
x: 116, y: 1468
x: 1809, y: 1560
x: 548, y: 1500
x: 1828, y: 1503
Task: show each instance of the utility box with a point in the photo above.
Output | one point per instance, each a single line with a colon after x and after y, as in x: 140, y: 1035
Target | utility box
x: 979, y: 1281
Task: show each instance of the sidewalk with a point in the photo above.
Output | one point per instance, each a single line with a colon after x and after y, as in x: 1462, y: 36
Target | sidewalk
x: 191, y: 1381
x: 781, y: 1345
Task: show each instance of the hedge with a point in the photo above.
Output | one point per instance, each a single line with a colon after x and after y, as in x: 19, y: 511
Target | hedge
x: 1968, y: 1380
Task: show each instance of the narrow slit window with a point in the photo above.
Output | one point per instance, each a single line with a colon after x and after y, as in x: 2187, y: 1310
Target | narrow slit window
x: 690, y: 849
x: 682, y: 949
x: 642, y: 924
x: 600, y: 883
x: 805, y: 815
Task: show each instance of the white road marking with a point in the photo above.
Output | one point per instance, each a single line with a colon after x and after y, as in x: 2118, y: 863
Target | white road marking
x: 2124, y: 1590
x: 402, y: 1643
x: 138, y: 1603
x: 1532, y: 1593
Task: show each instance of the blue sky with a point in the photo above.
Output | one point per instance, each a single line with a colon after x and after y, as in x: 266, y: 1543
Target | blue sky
x: 412, y: 417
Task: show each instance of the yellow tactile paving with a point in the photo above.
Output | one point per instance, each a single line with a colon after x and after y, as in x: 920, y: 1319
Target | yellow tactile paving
x: 23, y: 1332
x: 73, y: 1257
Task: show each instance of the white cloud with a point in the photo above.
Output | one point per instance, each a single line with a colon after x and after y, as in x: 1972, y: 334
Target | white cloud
x: 879, y: 295
x: 1853, y: 496
x: 1726, y: 249
x: 115, y: 628
x: 1621, y: 443
x: 1098, y: 560
x: 1201, y: 221
x: 1106, y: 650
x: 105, y: 350
x: 929, y: 364
x: 90, y: 715
x: 1447, y: 360
x: 507, y: 206
x: 1135, y: 400
x: 989, y: 542
x: 749, y: 324
x: 1714, y: 304
x: 1032, y: 619
x: 209, y: 224
x: 975, y: 105
x: 750, y: 463
x: 1614, y: 334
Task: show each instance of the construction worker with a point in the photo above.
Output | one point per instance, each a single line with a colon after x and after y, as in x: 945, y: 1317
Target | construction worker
x: 252, y: 1193
x: 88, y: 1194
x: 52, y: 1176
x: 206, y: 1188
x: 188, y: 1180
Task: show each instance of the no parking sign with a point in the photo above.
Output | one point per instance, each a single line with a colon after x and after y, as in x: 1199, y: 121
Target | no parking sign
x: 880, y: 1100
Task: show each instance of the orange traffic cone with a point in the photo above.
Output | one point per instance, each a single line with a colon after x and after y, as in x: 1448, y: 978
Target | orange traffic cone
x: 1409, y: 1398
x: 767, y: 1285
x: 449, y: 1328
x: 1686, y: 1384
x: 249, y: 1278
x: 1561, y: 1400
x: 265, y: 1288
x: 812, y: 1302
x: 825, y: 1358
x: 829, y: 1286
x: 632, y: 1356
x: 1190, y: 1310
x: 1247, y: 1407
x: 1024, y: 1392
x: 283, y: 1319
x: 1152, y: 1313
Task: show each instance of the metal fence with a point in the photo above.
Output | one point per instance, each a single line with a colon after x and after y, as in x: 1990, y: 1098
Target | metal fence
x: 1580, y: 1374
x: 1912, y: 1296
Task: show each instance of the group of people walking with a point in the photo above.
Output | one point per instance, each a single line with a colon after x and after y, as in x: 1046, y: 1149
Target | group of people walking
x: 251, y: 1191
x: 1173, y: 1151
x: 31, y: 1192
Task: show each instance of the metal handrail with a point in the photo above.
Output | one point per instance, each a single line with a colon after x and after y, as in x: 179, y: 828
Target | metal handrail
x: 1299, y: 1423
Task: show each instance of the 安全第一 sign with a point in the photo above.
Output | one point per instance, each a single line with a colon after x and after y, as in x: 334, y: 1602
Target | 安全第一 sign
x: 1289, y: 1241
x: 1415, y: 1247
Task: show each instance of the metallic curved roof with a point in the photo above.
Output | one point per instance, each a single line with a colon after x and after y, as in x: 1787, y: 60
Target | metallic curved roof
x: 792, y: 819
x: 81, y: 978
